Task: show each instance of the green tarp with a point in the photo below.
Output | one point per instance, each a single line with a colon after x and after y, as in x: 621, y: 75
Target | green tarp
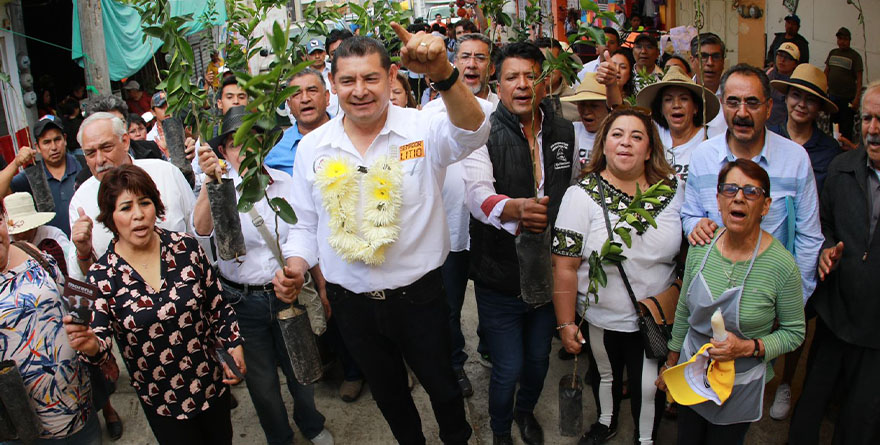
x: 127, y: 52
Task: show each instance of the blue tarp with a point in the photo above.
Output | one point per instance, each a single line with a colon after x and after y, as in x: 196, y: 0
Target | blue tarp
x: 127, y: 52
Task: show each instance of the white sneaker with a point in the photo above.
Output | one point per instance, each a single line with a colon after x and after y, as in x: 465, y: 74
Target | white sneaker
x: 781, y: 402
x: 323, y: 438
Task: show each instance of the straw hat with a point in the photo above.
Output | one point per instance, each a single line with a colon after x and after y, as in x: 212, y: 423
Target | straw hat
x: 675, y: 77
x: 21, y: 215
x: 808, y: 78
x: 589, y: 89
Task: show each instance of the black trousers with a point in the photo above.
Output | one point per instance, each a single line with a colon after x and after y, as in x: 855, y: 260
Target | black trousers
x: 381, y: 334
x: 837, y: 367
x: 211, y: 427
x: 693, y: 429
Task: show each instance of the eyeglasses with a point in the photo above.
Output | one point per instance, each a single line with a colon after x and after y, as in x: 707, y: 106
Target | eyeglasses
x: 468, y: 56
x: 714, y: 56
x: 751, y: 192
x: 752, y: 103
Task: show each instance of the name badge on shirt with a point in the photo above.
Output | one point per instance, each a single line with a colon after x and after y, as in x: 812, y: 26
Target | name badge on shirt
x: 412, y: 151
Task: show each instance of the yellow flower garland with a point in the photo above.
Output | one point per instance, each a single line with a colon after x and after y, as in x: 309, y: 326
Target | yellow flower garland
x: 363, y: 240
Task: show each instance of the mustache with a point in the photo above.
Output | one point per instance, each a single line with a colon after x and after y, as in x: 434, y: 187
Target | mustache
x: 873, y: 139
x: 743, y: 121
x: 105, y: 167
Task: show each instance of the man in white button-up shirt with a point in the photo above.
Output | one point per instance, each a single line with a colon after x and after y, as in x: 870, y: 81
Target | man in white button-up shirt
x: 383, y: 278
x: 247, y: 285
x: 105, y: 143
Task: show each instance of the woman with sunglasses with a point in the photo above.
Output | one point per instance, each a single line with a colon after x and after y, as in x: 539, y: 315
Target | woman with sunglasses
x: 755, y: 282
x: 628, y: 156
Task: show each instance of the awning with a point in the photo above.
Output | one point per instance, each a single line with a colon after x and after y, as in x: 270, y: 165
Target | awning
x: 127, y: 52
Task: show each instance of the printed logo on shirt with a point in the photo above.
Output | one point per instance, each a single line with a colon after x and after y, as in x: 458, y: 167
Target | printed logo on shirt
x: 562, y: 161
x: 318, y: 161
x: 412, y: 151
x: 840, y: 62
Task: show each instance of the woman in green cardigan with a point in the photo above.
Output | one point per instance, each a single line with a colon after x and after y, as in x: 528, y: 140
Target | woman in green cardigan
x: 754, y: 281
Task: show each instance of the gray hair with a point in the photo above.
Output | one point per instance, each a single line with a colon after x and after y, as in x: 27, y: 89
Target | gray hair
x: 474, y: 36
x: 875, y: 85
x: 115, y: 122
x: 706, y: 38
x: 310, y: 71
x: 108, y: 103
x: 744, y: 69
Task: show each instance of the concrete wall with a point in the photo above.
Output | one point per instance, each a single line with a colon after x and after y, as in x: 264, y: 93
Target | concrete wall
x: 820, y: 20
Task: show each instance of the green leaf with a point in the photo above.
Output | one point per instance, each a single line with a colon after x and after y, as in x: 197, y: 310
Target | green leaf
x: 647, y: 216
x: 601, y: 277
x: 285, y: 211
x: 186, y: 50
x: 277, y: 39
x: 606, y: 246
x: 614, y: 249
x: 589, y: 5
x: 623, y: 233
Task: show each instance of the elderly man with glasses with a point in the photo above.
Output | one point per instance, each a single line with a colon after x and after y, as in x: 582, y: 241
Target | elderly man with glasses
x: 794, y: 213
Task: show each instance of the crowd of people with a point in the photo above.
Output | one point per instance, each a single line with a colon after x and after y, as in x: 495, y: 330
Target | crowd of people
x: 670, y: 178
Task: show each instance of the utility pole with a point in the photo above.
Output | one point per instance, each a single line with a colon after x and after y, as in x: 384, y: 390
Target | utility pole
x: 91, y: 31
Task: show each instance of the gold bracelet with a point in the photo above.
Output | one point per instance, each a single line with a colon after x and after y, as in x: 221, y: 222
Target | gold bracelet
x: 563, y: 325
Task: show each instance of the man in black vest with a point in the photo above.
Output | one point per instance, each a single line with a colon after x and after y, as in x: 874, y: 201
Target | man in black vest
x: 502, y: 181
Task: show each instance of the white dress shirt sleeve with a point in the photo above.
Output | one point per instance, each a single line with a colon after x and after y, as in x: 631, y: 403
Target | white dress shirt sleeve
x: 449, y: 144
x: 302, y: 241
x: 482, y: 201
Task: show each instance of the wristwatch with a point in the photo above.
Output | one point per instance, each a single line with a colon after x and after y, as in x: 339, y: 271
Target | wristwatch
x: 757, y: 348
x: 446, y: 84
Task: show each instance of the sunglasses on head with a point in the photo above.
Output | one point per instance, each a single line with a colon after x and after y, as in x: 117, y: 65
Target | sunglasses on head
x: 751, y: 192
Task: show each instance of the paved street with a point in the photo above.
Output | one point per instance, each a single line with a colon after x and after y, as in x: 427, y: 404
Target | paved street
x: 361, y: 423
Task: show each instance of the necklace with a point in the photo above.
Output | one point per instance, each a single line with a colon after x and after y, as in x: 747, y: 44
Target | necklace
x: 361, y: 234
x: 729, y: 275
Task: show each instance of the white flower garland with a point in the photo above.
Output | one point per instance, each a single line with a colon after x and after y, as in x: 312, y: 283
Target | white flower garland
x: 363, y: 240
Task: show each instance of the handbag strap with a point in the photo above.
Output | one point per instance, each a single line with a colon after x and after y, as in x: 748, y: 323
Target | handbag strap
x: 271, y: 243
x: 659, y: 310
x: 629, y: 290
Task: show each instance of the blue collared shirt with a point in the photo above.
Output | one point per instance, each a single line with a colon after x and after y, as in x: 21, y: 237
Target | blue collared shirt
x: 62, y: 191
x: 284, y: 152
x: 791, y: 176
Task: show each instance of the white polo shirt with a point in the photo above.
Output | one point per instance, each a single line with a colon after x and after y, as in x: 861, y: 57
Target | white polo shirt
x: 174, y: 192
x: 424, y: 237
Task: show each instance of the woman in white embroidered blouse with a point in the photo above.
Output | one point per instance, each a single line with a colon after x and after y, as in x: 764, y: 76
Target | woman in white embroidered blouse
x: 631, y: 156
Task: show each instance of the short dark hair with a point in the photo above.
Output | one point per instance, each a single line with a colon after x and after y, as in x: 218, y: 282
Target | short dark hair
x: 134, y: 118
x: 438, y: 28
x: 337, y: 35
x: 467, y: 24
x: 228, y: 80
x: 706, y: 38
x: 108, y: 104
x: 751, y: 169
x: 549, y: 43
x: 125, y: 178
x: 360, y: 46
x: 667, y: 57
x: 657, y: 108
x: 612, y: 31
x: 747, y: 70
x: 519, y: 50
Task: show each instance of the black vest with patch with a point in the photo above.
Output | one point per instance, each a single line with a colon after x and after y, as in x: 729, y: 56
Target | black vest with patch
x: 493, y: 253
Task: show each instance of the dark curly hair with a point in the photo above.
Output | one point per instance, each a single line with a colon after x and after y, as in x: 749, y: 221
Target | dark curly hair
x: 125, y: 178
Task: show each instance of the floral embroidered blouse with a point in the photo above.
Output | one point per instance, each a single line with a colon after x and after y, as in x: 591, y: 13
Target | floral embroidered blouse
x: 32, y: 335
x: 166, y: 336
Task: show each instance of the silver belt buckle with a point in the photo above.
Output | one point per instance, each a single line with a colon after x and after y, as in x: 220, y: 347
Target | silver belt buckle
x: 377, y: 294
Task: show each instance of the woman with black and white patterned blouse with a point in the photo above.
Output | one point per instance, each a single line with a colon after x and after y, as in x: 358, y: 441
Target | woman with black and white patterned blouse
x: 160, y: 300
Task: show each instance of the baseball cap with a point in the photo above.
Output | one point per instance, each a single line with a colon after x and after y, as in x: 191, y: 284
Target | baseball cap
x: 700, y: 379
x: 314, y: 45
x: 793, y: 18
x: 646, y: 36
x: 158, y: 100
x: 46, y: 122
x: 791, y: 49
x: 132, y: 85
x: 844, y: 32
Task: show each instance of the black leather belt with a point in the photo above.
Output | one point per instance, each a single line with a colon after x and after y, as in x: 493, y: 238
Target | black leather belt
x: 248, y: 287
x: 430, y: 280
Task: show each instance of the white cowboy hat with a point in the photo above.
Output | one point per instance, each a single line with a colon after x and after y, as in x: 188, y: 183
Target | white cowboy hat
x: 21, y: 215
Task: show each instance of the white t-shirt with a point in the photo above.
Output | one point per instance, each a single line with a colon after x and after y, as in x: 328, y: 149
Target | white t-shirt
x: 680, y: 157
x: 649, y: 265
x: 583, y: 142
